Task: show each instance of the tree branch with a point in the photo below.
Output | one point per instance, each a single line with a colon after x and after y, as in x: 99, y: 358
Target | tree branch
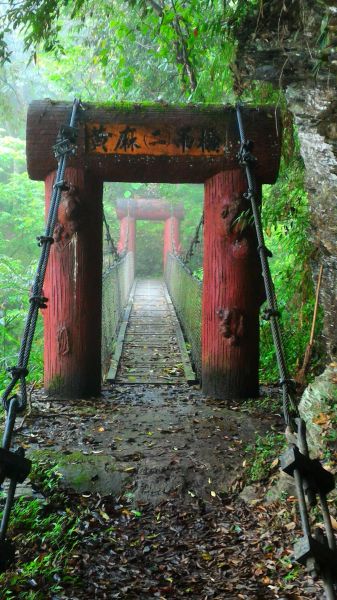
x: 185, y: 58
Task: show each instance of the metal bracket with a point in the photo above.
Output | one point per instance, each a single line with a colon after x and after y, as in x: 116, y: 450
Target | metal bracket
x: 65, y: 141
x: 13, y: 465
x: 268, y: 313
x: 308, y: 547
x: 44, y: 239
x: 40, y: 301
x: 245, y: 155
x: 17, y: 371
x: 318, y: 478
x: 7, y: 554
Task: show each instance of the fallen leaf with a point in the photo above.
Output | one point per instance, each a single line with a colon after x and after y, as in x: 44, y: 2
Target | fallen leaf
x: 321, y: 419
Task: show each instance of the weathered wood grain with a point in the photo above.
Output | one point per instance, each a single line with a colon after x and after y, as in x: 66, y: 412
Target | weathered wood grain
x: 232, y: 292
x: 194, y: 121
x: 73, y: 285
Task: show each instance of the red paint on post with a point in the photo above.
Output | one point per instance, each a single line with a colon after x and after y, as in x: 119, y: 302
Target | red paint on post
x: 127, y: 235
x: 132, y: 235
x: 232, y: 292
x: 73, y: 285
x: 171, y: 237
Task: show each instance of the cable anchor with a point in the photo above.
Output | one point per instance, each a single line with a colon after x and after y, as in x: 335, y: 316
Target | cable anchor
x: 39, y: 301
x: 44, y: 239
x: 245, y: 155
x: 65, y: 141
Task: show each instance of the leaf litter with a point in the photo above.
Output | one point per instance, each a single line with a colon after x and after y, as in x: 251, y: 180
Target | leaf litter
x: 194, y: 540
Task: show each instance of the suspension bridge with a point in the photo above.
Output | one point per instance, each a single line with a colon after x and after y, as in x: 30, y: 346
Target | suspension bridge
x: 141, y: 338
x: 148, y: 339
x: 153, y: 144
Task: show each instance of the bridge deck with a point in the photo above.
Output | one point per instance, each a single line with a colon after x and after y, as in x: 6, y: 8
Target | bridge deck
x: 152, y: 349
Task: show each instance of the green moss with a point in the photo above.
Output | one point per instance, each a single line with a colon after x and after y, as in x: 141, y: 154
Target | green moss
x: 58, y: 457
x: 165, y: 107
x: 261, y: 456
x: 56, y: 384
x: 80, y: 479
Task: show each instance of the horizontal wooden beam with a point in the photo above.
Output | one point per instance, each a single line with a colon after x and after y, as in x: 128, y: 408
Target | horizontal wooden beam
x: 148, y: 209
x: 154, y: 142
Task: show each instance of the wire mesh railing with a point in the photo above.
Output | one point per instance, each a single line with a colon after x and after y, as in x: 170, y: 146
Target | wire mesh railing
x: 186, y: 293
x: 117, y: 282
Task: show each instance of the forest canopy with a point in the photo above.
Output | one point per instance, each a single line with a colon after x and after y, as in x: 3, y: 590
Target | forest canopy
x: 145, y: 50
x: 186, y: 46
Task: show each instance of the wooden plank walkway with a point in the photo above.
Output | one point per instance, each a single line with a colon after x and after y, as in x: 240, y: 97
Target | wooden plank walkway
x: 151, y: 347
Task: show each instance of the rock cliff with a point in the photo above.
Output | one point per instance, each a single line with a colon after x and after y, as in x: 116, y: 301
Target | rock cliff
x: 293, y: 45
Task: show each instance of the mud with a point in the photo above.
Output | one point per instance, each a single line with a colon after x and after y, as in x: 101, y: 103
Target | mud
x: 151, y: 442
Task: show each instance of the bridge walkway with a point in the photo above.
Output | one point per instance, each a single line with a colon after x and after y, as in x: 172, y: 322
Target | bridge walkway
x: 150, y: 346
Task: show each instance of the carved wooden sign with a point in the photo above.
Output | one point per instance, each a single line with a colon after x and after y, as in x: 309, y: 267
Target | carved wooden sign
x: 155, y: 141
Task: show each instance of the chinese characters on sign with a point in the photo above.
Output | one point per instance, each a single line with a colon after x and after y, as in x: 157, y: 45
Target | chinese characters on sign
x: 127, y: 140
x: 169, y: 141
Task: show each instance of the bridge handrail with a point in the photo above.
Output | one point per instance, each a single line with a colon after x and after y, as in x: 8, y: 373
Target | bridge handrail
x: 117, y: 281
x: 186, y: 294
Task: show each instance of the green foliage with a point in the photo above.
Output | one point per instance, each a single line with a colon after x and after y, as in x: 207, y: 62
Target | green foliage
x: 149, y: 249
x: 21, y: 220
x: 260, y: 457
x: 286, y: 220
x: 264, y: 403
x: 199, y: 273
x: 172, y: 49
x: 46, y: 532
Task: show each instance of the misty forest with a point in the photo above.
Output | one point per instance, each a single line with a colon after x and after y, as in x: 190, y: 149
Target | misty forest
x: 168, y: 305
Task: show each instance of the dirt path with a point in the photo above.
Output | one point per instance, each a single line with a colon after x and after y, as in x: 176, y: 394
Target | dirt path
x: 152, y: 440
x: 150, y: 471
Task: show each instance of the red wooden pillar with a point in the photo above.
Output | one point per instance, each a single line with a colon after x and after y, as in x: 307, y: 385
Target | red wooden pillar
x: 132, y: 235
x: 232, y: 292
x: 73, y: 284
x: 171, y: 237
x: 127, y: 234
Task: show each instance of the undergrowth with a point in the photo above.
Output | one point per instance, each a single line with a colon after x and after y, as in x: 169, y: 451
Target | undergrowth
x: 45, y: 530
x: 286, y: 222
x: 261, y: 457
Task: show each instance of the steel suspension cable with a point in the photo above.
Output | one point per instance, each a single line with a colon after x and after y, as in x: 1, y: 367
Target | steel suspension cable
x: 194, y: 241
x: 272, y: 312
x: 314, y: 550
x: 109, y: 239
x: 13, y: 465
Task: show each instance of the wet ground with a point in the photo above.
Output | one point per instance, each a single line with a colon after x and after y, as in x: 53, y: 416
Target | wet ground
x: 152, y: 440
x: 150, y: 471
